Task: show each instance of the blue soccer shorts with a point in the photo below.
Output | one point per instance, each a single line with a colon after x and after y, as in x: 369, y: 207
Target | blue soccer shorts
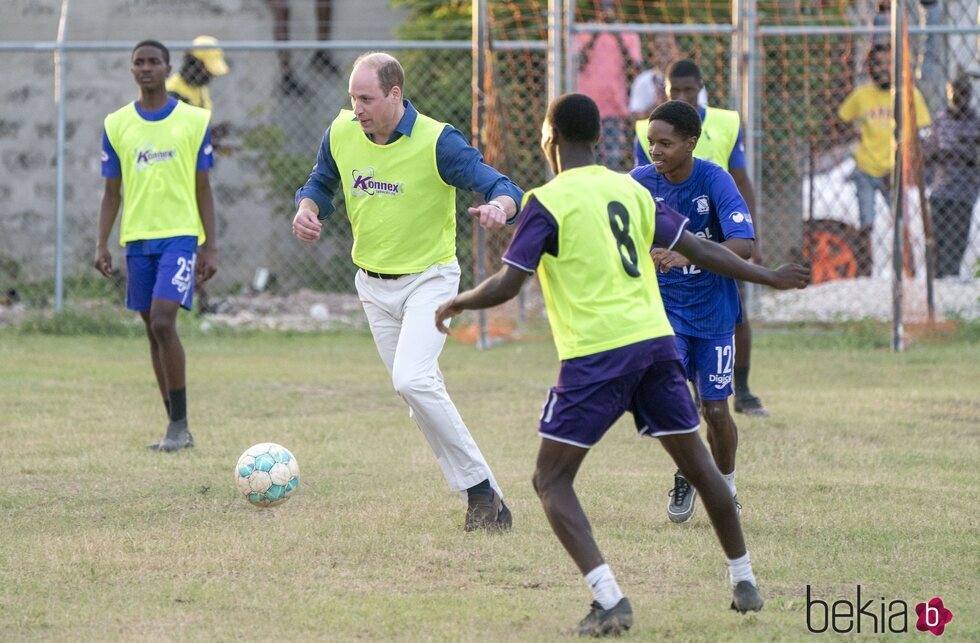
x: 709, y: 364
x: 657, y: 397
x: 169, y: 275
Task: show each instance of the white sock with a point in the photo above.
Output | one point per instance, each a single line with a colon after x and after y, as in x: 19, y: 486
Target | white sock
x: 740, y: 569
x: 604, y: 588
x: 730, y: 479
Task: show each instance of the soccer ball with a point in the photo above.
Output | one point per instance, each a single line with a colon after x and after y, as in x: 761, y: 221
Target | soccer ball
x: 267, y: 474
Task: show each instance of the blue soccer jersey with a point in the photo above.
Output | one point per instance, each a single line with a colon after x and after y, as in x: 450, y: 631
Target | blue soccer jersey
x: 700, y: 303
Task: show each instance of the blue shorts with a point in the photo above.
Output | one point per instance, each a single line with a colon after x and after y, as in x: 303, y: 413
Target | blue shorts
x: 168, y: 275
x: 657, y: 396
x: 709, y: 364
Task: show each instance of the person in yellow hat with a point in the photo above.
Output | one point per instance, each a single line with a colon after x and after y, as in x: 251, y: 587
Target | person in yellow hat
x: 200, y: 65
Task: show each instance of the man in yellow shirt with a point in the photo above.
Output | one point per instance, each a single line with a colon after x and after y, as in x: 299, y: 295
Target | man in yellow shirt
x: 870, y: 106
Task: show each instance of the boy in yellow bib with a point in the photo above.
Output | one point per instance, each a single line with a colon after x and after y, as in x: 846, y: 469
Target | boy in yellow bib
x: 399, y: 171
x: 588, y: 233
x: 159, y: 150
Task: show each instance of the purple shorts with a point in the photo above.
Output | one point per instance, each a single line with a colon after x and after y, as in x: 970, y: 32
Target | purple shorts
x: 169, y: 275
x: 709, y: 364
x: 657, y: 396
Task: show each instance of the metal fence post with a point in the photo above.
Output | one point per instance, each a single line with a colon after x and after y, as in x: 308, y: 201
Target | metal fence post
x: 59, y: 204
x: 480, y: 38
x: 898, y: 187
x: 747, y: 36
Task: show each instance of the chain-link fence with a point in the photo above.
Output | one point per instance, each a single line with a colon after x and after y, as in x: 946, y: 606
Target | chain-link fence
x: 787, y: 67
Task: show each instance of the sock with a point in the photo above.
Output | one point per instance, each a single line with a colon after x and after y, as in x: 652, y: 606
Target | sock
x: 730, y: 479
x: 604, y: 588
x: 742, y: 380
x: 482, y: 489
x: 740, y: 569
x: 178, y: 405
x: 166, y: 405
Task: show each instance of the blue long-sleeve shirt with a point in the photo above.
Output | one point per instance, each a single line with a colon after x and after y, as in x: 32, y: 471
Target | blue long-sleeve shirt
x: 459, y: 164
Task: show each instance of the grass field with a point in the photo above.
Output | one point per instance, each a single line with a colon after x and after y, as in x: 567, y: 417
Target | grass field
x: 866, y: 473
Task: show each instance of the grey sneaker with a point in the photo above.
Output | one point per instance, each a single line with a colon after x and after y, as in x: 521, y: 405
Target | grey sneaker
x: 178, y: 437
x: 738, y: 506
x: 746, y: 598
x: 611, y: 622
x: 487, y: 512
x: 680, y: 507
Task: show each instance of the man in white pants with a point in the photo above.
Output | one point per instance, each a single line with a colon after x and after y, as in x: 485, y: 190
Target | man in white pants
x: 399, y: 171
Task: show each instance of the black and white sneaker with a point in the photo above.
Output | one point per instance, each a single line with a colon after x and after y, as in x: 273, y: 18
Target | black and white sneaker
x: 746, y: 598
x: 611, y: 622
x: 680, y: 507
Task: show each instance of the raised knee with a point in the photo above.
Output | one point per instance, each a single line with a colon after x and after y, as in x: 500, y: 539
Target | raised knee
x: 406, y: 384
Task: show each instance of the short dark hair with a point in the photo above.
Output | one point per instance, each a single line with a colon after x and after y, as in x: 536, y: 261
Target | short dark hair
x: 685, y: 68
x: 390, y: 72
x: 153, y: 43
x: 684, y: 118
x: 576, y: 117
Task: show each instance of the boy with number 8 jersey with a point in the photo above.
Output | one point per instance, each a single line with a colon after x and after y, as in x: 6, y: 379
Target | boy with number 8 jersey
x: 587, y: 234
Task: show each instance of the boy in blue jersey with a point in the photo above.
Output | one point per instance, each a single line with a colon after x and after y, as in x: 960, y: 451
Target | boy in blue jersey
x: 723, y: 142
x: 162, y: 149
x: 587, y: 233
x: 703, y: 307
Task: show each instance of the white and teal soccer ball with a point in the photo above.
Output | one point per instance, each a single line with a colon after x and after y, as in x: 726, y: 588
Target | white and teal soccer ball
x: 267, y: 474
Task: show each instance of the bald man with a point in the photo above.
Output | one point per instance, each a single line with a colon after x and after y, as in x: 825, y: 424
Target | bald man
x: 399, y: 171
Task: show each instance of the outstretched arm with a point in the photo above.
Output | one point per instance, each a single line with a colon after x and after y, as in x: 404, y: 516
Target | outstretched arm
x: 494, y: 290
x: 720, y: 260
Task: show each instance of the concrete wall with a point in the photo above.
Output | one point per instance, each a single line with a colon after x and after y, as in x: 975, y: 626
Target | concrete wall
x: 253, y: 221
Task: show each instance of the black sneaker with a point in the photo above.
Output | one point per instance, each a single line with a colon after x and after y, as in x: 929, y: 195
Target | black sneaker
x: 486, y: 511
x: 749, y: 404
x: 504, y: 520
x: 611, y: 622
x: 746, y: 598
x: 178, y: 437
x: 680, y: 507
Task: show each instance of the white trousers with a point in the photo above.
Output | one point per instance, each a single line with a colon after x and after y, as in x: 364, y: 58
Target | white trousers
x: 401, y: 314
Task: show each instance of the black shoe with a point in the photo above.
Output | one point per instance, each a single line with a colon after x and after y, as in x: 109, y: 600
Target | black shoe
x: 486, y: 511
x: 680, y: 507
x: 746, y: 598
x: 749, y: 404
x: 504, y: 520
x: 611, y: 622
